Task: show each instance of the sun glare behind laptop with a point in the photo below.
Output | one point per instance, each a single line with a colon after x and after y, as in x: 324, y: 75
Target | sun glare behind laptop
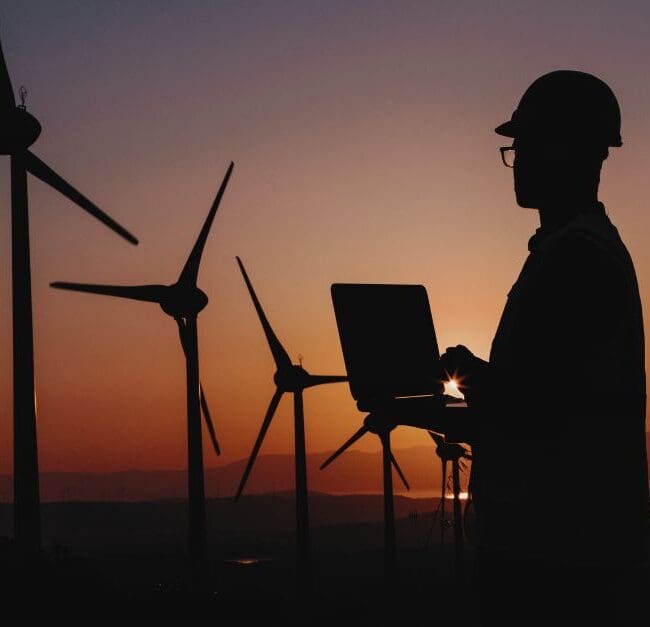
x: 451, y: 388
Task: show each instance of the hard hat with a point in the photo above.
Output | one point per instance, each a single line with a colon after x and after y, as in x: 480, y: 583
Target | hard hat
x: 567, y: 103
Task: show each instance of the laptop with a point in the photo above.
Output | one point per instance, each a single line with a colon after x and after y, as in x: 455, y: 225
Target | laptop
x: 388, y: 340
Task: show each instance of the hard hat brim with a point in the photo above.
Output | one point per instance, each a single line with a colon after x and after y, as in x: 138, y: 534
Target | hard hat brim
x: 507, y: 129
x: 512, y: 129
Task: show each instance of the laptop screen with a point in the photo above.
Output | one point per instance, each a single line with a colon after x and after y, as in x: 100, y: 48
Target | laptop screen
x: 388, y: 340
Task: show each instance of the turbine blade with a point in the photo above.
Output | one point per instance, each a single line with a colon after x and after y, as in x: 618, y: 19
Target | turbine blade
x: 181, y: 328
x: 208, y: 421
x: 260, y: 438
x: 348, y: 443
x: 399, y: 471
x: 317, y: 379
x: 7, y: 98
x: 281, y: 357
x: 190, y: 272
x: 148, y: 293
x: 43, y: 172
x: 437, y: 438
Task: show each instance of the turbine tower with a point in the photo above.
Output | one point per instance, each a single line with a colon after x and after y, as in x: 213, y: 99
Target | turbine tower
x: 288, y: 378
x: 454, y: 453
x: 388, y: 462
x: 182, y: 301
x: 18, y: 131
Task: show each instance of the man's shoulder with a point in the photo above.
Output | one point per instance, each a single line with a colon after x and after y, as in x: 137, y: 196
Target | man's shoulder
x: 583, y: 269
x: 578, y: 244
x: 585, y: 249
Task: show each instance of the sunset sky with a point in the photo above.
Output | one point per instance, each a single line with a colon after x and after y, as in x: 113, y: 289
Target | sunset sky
x: 364, y: 148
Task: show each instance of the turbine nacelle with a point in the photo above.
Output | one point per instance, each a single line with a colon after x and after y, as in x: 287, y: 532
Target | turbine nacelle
x: 449, y: 451
x: 18, y: 130
x: 181, y: 301
x: 292, y: 379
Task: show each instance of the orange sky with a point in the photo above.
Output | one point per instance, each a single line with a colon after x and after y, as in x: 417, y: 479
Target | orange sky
x: 364, y: 152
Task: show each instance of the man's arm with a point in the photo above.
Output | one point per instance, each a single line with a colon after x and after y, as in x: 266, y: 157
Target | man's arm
x: 561, y: 331
x: 456, y: 422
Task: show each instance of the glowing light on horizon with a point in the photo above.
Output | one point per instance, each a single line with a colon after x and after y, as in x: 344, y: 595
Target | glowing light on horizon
x: 248, y: 561
x: 463, y: 496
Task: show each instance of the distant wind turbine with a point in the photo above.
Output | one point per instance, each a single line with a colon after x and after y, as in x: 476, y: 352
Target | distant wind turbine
x: 288, y: 378
x: 454, y: 453
x: 19, y: 130
x: 388, y: 462
x: 183, y: 301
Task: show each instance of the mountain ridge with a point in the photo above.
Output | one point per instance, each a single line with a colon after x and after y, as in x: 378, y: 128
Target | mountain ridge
x: 354, y: 472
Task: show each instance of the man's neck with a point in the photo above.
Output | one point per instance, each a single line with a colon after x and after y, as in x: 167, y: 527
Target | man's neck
x: 556, y: 215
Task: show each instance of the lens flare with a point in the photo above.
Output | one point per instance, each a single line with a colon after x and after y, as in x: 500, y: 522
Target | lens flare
x: 451, y: 388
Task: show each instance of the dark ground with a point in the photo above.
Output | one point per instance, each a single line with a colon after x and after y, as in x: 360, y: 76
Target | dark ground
x: 348, y: 589
x: 127, y: 563
x: 122, y: 561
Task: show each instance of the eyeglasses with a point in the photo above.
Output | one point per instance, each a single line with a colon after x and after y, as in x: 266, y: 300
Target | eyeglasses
x: 507, y: 156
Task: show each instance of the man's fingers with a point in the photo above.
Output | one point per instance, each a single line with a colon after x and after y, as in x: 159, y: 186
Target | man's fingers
x: 449, y: 364
x: 456, y: 358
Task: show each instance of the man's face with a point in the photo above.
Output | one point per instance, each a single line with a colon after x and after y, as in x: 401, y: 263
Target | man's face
x: 551, y: 170
x: 539, y: 172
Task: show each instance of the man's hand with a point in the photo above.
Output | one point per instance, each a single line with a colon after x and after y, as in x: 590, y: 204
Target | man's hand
x: 460, y: 364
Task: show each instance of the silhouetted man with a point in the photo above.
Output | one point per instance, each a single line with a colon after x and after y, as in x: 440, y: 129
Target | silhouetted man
x: 559, y: 477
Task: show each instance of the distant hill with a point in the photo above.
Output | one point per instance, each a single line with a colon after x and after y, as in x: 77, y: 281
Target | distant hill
x: 353, y: 473
x: 257, y: 524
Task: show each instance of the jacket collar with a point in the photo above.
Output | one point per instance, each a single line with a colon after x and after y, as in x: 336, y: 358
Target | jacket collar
x: 595, y: 222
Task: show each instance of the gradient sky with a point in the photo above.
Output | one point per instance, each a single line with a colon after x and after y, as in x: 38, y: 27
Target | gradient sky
x: 362, y: 136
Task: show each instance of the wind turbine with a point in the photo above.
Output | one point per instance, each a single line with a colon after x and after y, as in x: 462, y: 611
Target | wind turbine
x: 182, y: 301
x: 454, y: 453
x: 388, y: 461
x: 288, y: 378
x: 18, y: 131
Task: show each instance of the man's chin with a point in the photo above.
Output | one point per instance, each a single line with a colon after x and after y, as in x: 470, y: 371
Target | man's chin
x: 526, y: 202
x: 528, y: 205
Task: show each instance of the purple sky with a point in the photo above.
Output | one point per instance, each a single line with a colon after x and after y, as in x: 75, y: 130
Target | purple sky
x: 362, y: 135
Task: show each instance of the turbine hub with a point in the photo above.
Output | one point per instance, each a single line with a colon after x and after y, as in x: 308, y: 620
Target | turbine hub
x: 292, y: 379
x: 182, y: 301
x: 18, y: 130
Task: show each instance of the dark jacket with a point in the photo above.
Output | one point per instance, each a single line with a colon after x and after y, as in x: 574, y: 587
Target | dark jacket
x: 560, y: 466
